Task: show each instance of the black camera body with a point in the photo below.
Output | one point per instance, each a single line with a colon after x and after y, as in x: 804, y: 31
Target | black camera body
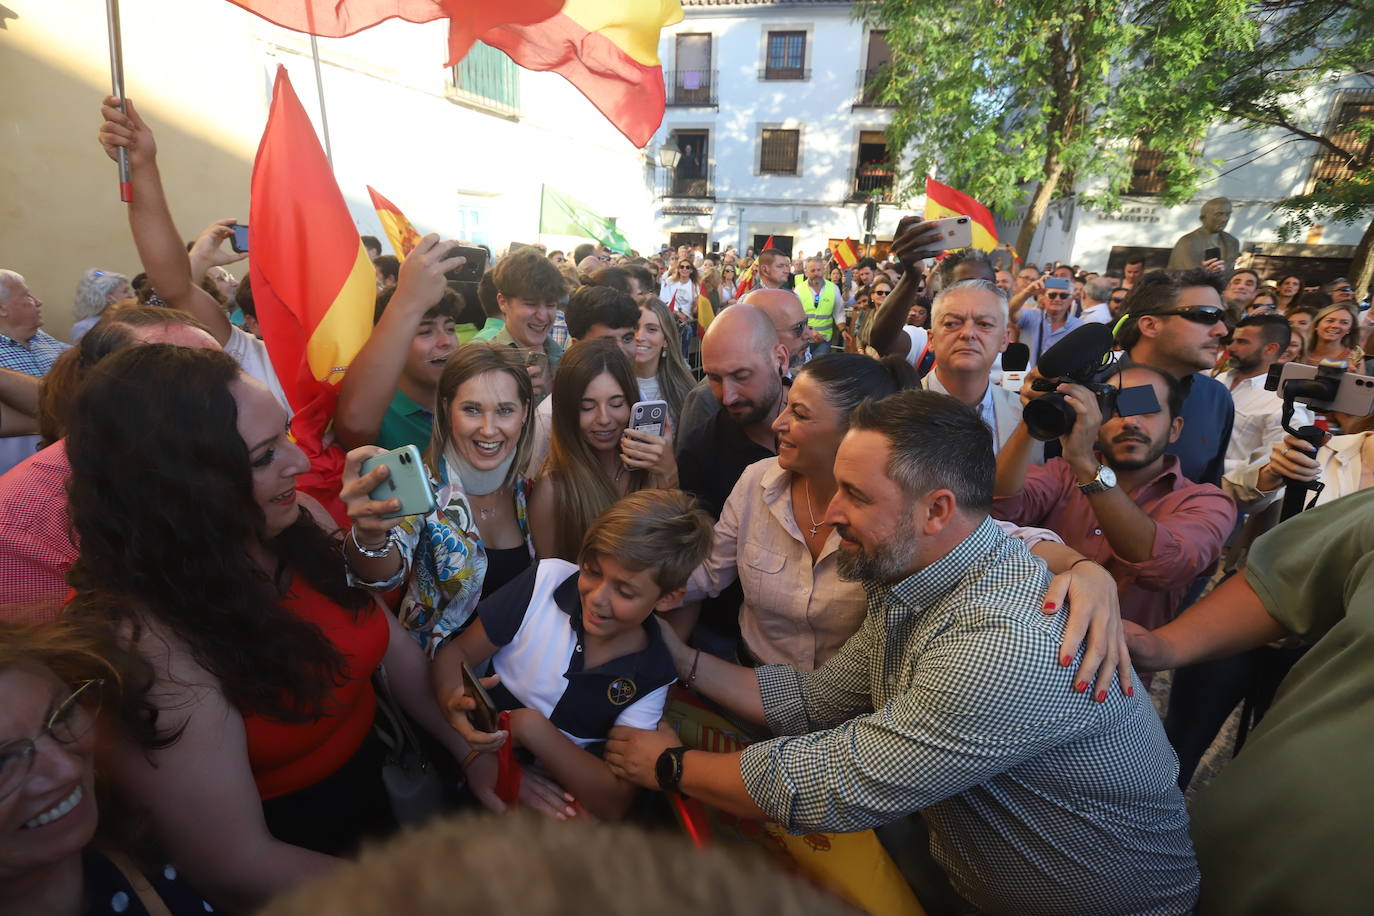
x: 1050, y: 416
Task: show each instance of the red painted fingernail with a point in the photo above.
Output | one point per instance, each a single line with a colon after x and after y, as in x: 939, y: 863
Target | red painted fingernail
x: 1081, y: 686
x: 1130, y: 691
x: 1050, y: 605
x: 1065, y: 660
x: 1101, y: 696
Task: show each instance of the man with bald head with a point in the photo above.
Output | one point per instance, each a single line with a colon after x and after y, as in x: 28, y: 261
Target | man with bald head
x: 784, y: 309
x: 745, y: 365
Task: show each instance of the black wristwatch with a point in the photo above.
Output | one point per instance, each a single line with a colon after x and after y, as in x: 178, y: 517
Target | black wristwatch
x: 668, y: 769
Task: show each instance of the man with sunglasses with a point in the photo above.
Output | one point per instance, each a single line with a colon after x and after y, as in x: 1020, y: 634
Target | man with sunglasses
x: 1048, y: 321
x: 1176, y: 321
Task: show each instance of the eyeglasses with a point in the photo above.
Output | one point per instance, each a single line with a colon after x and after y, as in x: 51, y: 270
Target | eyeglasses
x: 1058, y: 295
x: 69, y: 722
x: 1344, y: 289
x: 1117, y: 300
x: 796, y: 330
x: 881, y: 292
x: 1200, y: 314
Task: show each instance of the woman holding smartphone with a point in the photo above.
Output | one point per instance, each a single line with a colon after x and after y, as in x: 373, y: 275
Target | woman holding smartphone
x: 661, y: 371
x: 594, y: 456
x: 231, y: 585
x: 477, y: 537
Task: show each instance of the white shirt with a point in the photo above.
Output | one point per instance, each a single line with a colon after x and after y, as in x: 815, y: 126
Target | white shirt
x: 987, y: 407
x: 679, y: 296
x: 1100, y: 314
x: 251, y: 355
x: 1257, y: 426
x: 795, y: 612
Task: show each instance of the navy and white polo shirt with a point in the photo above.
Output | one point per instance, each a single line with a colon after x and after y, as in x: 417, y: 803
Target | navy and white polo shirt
x: 536, y: 620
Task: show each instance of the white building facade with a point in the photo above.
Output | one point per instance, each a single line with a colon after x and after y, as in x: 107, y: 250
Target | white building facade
x: 767, y: 103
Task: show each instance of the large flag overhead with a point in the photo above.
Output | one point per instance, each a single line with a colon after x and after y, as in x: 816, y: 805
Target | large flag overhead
x: 313, y: 283
x: 560, y: 214
x: 846, y: 253
x: 943, y: 201
x: 399, y: 231
x: 608, y: 49
x: 467, y: 19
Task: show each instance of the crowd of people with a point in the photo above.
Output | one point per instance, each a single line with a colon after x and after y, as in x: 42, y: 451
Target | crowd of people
x: 851, y: 529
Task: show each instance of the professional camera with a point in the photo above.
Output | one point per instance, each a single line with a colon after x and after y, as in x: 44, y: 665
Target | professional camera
x: 1078, y: 358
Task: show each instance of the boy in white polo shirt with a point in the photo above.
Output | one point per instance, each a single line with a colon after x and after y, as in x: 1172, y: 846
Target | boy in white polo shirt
x: 577, y: 648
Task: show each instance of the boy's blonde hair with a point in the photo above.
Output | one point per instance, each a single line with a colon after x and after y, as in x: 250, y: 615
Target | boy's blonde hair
x: 662, y: 530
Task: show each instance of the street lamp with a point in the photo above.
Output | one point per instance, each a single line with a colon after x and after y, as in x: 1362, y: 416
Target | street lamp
x: 669, y: 154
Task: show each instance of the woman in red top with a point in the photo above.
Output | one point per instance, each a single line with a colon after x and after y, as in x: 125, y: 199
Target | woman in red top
x: 194, y: 539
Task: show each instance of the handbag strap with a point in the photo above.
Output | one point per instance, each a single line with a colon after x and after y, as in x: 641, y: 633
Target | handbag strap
x: 142, y: 888
x: 404, y: 737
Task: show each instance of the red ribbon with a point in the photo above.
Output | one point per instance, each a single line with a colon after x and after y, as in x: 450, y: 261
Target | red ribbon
x: 508, y: 769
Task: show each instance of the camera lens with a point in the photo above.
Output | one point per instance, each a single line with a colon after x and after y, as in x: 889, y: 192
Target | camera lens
x: 1049, y: 417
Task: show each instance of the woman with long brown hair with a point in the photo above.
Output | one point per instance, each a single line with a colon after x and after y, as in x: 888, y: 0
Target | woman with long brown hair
x: 659, y: 365
x: 594, y: 458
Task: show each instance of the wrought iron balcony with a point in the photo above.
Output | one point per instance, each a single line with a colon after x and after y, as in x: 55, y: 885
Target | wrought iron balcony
x: 871, y: 83
x: 874, y: 183
x: 689, y: 88
x: 688, y: 183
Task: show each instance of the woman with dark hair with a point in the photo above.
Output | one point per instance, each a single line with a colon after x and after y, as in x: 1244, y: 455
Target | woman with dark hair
x: 195, y: 543
x: 1290, y: 287
x: 593, y: 460
x: 477, y: 539
x: 772, y: 535
x: 62, y: 685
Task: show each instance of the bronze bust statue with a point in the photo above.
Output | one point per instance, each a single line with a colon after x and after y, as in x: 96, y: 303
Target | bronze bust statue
x: 1190, y: 249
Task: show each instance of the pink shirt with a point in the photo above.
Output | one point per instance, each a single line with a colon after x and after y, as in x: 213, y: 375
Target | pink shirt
x: 795, y: 612
x: 1192, y: 522
x: 35, y: 548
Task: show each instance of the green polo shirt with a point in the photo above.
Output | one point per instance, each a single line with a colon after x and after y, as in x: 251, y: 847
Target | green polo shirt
x: 405, y: 423
x: 1285, y: 828
x: 493, y: 327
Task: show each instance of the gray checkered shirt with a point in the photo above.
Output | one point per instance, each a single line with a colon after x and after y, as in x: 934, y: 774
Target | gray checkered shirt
x: 949, y: 701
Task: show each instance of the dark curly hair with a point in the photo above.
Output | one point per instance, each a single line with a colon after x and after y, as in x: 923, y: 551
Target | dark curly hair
x: 161, y: 502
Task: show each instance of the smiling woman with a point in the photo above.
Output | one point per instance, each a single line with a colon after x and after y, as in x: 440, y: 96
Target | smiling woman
x: 56, y: 682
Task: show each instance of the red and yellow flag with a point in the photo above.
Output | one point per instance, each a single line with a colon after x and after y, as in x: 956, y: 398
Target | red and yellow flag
x: 847, y: 253
x: 467, y: 19
x: 608, y: 49
x: 399, y: 231
x: 943, y: 201
x: 313, y: 283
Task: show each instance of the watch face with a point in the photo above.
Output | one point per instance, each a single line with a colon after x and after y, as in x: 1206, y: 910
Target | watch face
x: 663, y: 771
x: 1107, y: 476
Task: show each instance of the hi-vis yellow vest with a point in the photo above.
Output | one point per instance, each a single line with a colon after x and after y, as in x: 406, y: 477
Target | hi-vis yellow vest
x: 820, y: 315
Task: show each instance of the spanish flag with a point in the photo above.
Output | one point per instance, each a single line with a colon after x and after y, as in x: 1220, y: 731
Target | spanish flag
x: 313, y: 283
x: 399, y: 231
x: 847, y: 253
x: 467, y: 19
x: 608, y: 49
x: 943, y: 201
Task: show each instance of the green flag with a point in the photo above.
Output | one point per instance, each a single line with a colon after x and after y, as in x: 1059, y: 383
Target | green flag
x: 560, y: 214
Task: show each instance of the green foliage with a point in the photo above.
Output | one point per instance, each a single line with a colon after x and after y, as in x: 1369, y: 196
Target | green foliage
x: 991, y: 94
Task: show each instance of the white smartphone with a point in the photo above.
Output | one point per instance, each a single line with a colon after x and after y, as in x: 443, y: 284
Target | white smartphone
x: 955, y: 232
x: 649, y: 416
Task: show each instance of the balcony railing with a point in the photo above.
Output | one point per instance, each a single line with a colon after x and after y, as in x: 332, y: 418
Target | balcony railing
x: 788, y: 74
x: 871, y: 84
x: 691, y: 87
x: 874, y: 183
x: 486, y: 78
x: 692, y: 187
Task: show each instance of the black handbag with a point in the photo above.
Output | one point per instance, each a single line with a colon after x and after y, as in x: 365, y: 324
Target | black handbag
x: 411, y: 779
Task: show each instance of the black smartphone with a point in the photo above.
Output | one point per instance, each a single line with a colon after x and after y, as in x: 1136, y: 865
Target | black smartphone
x: 483, y: 715
x: 239, y: 240
x: 1211, y: 254
x: 472, y: 271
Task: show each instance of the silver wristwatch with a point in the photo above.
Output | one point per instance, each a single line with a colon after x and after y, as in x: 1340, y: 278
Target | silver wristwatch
x: 1105, y: 480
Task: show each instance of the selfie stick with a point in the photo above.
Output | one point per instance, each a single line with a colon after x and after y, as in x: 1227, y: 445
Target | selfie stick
x: 126, y: 190
x: 1295, y: 491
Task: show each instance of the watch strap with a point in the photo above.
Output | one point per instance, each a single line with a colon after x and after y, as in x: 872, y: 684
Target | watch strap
x: 668, y: 769
x: 1096, y: 485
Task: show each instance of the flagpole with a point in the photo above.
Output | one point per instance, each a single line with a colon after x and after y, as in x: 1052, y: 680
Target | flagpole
x: 539, y: 232
x: 126, y: 190
x: 319, y: 89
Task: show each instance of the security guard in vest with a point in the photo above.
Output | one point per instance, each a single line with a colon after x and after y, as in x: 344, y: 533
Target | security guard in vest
x: 822, y: 300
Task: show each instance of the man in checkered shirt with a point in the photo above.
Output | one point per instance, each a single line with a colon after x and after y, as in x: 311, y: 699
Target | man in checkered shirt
x: 948, y: 701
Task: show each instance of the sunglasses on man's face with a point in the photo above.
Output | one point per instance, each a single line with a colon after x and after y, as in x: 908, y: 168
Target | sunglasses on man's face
x: 1200, y: 314
x: 1058, y: 295
x: 1339, y: 289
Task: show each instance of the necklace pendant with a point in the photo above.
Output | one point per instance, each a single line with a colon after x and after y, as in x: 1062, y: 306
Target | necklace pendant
x: 813, y: 530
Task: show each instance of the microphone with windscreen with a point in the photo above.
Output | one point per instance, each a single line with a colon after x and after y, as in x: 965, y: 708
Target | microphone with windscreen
x: 1015, y: 358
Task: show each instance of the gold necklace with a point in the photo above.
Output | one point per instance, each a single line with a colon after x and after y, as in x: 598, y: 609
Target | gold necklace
x: 815, y: 526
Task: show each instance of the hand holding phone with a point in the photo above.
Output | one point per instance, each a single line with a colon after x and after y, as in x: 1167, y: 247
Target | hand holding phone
x: 406, y: 480
x: 483, y: 714
x: 955, y: 232
x: 474, y: 265
x: 239, y: 240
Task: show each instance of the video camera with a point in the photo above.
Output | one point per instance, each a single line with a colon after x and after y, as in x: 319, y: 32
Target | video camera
x: 1329, y: 386
x: 1078, y: 358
